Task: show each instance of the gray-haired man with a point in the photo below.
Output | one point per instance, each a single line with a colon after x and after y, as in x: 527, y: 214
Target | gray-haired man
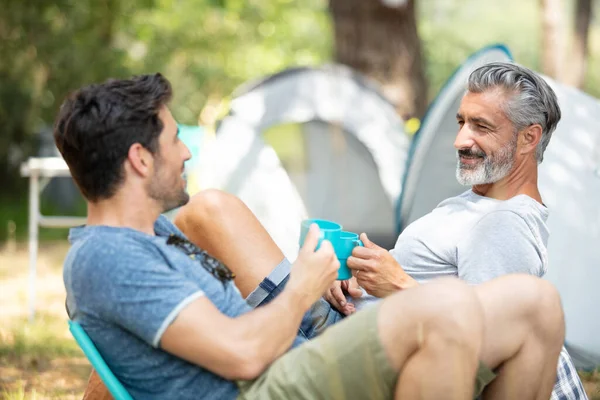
x: 505, y: 122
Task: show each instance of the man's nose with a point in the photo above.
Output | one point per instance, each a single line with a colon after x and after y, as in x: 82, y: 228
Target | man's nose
x: 464, y: 138
x: 186, y: 153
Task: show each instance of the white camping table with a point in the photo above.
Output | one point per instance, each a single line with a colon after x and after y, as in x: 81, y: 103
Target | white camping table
x: 44, y: 168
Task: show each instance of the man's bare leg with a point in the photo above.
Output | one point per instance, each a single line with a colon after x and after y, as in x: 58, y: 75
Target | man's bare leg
x: 432, y: 335
x: 435, y: 335
x: 523, y: 335
x: 224, y: 226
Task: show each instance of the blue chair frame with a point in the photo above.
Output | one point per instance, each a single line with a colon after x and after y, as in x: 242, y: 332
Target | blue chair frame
x: 113, y: 385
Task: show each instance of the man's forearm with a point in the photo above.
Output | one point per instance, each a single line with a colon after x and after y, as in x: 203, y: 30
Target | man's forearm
x: 269, y: 331
x: 241, y: 347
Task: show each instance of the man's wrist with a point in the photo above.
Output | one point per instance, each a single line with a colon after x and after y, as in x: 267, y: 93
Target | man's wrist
x: 296, y: 298
x: 406, y: 282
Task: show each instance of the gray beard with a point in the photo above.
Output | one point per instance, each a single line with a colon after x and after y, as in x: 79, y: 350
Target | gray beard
x: 494, y: 167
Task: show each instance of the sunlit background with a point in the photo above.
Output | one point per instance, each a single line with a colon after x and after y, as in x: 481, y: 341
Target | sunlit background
x: 210, y: 49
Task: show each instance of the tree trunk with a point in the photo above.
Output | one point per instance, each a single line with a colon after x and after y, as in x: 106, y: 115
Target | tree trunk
x: 380, y: 40
x: 552, y: 44
x: 577, y: 60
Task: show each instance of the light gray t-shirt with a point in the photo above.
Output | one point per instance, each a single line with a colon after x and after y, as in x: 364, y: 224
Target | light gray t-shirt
x: 475, y: 238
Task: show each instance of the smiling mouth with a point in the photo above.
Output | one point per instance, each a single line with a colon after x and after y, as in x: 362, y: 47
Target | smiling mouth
x: 470, y: 157
x: 469, y: 160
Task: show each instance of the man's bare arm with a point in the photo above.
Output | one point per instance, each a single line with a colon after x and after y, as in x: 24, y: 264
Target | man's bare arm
x: 243, y: 347
x: 235, y: 348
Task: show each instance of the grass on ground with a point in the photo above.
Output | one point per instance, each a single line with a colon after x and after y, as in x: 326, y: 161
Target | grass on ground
x: 40, y: 360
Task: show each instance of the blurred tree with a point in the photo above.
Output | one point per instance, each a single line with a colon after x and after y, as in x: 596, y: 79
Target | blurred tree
x: 577, y: 62
x: 379, y: 38
x: 48, y: 49
x: 552, y: 35
x: 205, y: 47
x: 209, y: 47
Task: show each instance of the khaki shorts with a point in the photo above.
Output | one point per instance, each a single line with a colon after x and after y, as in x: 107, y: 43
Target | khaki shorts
x: 346, y: 362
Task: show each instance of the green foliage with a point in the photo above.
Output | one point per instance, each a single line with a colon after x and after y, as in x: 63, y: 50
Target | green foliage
x: 453, y: 30
x: 206, y: 47
x: 209, y: 47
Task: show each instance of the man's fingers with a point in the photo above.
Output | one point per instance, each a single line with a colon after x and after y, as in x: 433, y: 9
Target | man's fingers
x: 355, y: 292
x: 312, y: 239
x: 326, y: 249
x: 368, y: 244
x: 364, y: 252
x: 355, y: 263
x: 345, y: 285
x: 337, y: 293
x: 331, y: 300
x: 349, y: 309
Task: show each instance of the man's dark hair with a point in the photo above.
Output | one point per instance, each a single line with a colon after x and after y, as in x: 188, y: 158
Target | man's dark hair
x: 97, y: 125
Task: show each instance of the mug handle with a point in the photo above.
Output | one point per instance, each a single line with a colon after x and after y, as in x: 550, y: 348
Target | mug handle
x: 359, y: 242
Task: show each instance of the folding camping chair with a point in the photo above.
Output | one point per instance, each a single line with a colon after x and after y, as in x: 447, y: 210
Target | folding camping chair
x: 113, y: 385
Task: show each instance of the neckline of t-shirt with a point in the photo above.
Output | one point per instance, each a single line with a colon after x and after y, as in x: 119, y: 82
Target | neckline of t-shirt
x: 530, y: 200
x: 92, y: 229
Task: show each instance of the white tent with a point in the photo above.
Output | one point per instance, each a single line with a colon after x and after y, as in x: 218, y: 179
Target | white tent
x: 352, y: 146
x: 569, y: 183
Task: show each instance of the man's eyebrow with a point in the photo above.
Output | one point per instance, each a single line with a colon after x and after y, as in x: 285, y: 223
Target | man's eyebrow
x: 483, y: 121
x: 477, y: 120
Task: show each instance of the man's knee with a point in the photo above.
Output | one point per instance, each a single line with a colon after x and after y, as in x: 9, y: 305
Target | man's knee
x: 446, y: 310
x: 207, y: 204
x: 549, y: 316
x: 539, y: 303
x: 458, y: 315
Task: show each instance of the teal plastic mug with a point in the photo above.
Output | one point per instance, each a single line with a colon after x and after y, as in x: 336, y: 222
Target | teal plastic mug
x: 328, y: 230
x: 343, y: 242
x: 347, y: 242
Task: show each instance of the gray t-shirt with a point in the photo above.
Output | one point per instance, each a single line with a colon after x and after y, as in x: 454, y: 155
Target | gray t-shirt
x: 125, y: 288
x: 475, y: 238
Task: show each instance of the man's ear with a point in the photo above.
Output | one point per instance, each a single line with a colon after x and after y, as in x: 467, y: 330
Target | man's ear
x: 529, y: 138
x: 140, y: 159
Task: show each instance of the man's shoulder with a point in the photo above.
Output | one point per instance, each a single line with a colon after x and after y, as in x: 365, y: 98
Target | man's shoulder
x: 165, y: 227
x: 458, y: 199
x: 98, y: 250
x: 108, y: 240
x: 519, y: 214
x: 524, y: 207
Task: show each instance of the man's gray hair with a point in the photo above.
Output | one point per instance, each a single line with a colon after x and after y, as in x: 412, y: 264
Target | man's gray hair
x: 532, y: 102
